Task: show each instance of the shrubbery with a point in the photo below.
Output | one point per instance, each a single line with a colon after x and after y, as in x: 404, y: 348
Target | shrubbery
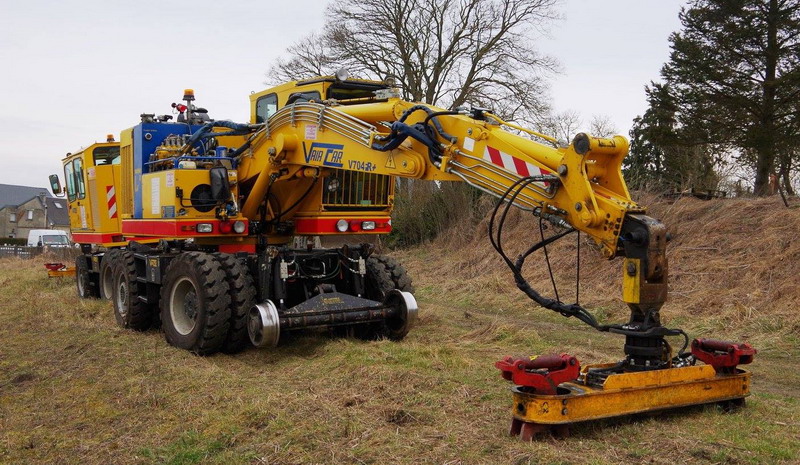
x: 424, y: 209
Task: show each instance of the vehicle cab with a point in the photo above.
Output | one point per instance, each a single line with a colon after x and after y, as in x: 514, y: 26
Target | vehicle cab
x: 346, y: 201
x: 90, y: 177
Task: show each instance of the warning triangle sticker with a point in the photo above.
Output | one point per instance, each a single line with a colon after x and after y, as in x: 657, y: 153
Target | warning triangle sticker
x: 390, y: 162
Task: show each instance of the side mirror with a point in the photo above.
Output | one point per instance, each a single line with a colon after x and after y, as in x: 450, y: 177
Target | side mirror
x: 55, y: 184
x: 220, y: 187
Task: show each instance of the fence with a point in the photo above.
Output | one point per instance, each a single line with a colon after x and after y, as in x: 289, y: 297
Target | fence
x: 65, y: 253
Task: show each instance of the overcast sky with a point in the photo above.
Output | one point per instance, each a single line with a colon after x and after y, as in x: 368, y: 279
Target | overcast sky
x: 74, y: 71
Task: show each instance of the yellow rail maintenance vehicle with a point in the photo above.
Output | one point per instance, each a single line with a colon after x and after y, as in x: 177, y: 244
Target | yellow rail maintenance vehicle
x: 208, y: 211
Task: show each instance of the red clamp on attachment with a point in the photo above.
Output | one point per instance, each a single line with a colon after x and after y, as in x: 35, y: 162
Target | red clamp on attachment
x: 722, y: 355
x: 543, y: 373
x: 55, y: 266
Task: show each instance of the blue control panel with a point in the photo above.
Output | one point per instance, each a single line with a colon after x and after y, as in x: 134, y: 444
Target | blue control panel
x: 146, y: 138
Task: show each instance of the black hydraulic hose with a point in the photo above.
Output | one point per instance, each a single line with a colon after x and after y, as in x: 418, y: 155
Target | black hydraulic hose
x: 567, y: 310
x: 578, y: 270
x: 438, y: 126
x: 439, y: 113
x: 539, y: 245
x: 494, y: 243
x: 206, y: 130
x: 272, y: 178
x: 241, y: 149
x: 519, y: 185
x: 431, y: 114
x: 411, y: 110
x: 547, y: 260
x: 551, y: 304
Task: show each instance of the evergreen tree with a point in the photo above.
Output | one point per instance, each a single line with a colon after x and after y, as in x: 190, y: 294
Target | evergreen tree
x: 735, y: 73
x: 666, y: 155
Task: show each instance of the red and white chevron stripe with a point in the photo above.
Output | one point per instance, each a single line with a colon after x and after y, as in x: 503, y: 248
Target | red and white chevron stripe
x: 511, y: 163
x: 111, y: 199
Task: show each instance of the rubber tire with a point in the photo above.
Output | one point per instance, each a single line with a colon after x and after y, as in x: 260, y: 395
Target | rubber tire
x: 107, y: 272
x: 83, y: 281
x: 129, y: 311
x: 207, y: 277
x: 383, y: 275
x: 242, y: 292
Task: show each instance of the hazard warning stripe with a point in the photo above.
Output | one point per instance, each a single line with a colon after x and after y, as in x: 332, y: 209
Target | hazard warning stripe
x: 511, y: 163
x: 111, y: 199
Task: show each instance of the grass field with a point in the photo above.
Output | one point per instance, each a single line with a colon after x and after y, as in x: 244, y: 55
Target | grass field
x: 75, y: 388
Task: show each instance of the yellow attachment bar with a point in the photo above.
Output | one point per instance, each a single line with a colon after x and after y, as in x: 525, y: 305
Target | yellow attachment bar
x: 525, y: 130
x: 629, y: 393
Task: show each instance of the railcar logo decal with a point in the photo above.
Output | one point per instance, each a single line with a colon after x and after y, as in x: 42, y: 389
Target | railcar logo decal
x: 327, y: 154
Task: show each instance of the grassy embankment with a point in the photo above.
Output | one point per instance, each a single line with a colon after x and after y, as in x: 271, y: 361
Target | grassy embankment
x: 74, y: 388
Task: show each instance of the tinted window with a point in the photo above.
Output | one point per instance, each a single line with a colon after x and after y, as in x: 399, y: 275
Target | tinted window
x: 342, y: 92
x: 69, y: 177
x: 105, y: 155
x: 80, y: 188
x: 303, y: 97
x: 266, y: 106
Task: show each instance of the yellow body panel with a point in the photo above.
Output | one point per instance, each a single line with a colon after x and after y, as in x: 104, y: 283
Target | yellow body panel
x: 103, y: 182
x: 159, y: 193
x: 126, y: 162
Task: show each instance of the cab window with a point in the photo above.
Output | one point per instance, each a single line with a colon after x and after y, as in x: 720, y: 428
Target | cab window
x: 266, y: 106
x: 69, y: 178
x: 105, y: 155
x: 79, y: 185
x: 304, y: 97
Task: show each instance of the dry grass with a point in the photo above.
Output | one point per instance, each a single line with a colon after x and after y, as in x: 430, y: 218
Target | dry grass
x: 74, y: 388
x: 733, y: 269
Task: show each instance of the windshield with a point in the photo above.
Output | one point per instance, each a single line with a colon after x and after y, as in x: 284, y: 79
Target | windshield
x: 54, y: 239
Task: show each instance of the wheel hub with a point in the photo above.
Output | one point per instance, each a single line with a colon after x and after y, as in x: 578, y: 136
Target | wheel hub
x: 122, y: 298
x: 190, y: 305
x: 184, y: 306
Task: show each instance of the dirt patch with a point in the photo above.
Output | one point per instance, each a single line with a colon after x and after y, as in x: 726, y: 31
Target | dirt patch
x: 23, y: 378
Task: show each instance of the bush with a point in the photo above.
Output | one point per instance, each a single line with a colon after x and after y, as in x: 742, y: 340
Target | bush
x: 424, y: 209
x: 13, y: 241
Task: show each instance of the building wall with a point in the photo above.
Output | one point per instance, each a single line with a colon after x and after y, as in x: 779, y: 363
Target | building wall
x: 30, y: 215
x: 6, y: 226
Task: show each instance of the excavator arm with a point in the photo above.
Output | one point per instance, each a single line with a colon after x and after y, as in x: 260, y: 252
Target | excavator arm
x: 582, y: 183
x: 578, y: 188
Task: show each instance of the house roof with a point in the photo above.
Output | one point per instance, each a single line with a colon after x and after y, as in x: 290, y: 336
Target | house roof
x: 16, y: 195
x: 57, y: 212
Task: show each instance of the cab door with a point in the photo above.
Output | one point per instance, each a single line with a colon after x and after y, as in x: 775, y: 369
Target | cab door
x: 80, y: 217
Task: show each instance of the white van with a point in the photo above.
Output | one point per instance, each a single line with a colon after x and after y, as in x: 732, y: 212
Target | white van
x: 48, y: 238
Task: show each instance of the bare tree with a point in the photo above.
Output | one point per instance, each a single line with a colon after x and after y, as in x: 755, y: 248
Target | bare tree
x: 602, y: 126
x: 443, y: 52
x: 563, y: 125
x: 307, y: 58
